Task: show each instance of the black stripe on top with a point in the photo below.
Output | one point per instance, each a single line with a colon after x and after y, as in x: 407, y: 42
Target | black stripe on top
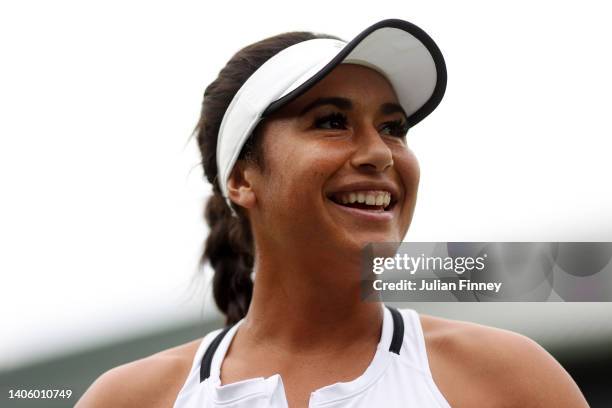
x: 398, y: 331
x: 210, y: 352
x: 395, y: 347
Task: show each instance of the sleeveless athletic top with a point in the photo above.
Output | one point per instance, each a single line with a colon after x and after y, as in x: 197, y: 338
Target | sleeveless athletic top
x: 398, y: 375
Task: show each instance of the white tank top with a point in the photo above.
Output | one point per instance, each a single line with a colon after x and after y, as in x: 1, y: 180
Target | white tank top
x: 398, y: 375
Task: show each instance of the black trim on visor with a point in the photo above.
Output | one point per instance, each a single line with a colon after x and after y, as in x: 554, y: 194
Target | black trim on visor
x: 410, y: 28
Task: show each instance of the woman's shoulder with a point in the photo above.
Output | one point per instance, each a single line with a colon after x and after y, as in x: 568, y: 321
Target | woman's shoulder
x: 152, y: 381
x: 472, y: 363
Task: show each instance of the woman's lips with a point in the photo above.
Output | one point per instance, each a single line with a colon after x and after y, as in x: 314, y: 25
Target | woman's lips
x: 374, y: 214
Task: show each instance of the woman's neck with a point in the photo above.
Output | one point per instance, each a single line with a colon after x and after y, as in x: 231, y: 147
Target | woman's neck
x: 309, y: 305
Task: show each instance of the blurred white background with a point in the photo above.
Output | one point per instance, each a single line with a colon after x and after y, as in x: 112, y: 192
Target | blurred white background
x: 101, y: 189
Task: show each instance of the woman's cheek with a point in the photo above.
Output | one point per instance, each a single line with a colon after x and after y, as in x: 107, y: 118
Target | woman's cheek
x: 408, y: 171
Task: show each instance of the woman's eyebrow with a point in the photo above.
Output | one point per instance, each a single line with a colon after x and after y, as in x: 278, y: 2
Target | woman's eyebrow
x: 390, y: 108
x: 340, y: 103
x: 345, y: 104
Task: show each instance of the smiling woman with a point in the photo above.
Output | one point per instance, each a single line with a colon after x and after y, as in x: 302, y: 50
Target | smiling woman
x: 303, y: 138
x: 318, y: 151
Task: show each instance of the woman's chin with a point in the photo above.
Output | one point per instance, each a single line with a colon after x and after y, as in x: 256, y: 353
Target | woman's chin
x: 358, y: 241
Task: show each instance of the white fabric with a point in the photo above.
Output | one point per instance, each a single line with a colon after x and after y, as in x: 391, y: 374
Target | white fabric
x: 390, y: 381
x: 397, y: 54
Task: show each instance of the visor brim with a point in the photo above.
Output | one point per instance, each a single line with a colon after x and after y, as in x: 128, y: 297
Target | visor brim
x: 404, y: 53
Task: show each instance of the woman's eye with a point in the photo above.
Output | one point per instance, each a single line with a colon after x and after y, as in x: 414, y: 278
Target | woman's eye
x: 396, y: 128
x: 333, y: 121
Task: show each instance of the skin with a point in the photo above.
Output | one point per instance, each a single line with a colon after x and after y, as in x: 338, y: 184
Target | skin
x: 307, y: 271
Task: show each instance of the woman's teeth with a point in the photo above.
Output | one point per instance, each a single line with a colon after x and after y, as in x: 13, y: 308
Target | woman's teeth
x: 374, y: 198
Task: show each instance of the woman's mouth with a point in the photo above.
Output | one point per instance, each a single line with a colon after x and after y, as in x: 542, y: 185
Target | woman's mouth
x: 368, y: 200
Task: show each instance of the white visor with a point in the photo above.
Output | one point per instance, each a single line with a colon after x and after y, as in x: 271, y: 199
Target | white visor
x: 401, y: 51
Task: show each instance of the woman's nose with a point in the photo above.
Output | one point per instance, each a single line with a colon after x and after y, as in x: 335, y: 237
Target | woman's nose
x: 372, y: 153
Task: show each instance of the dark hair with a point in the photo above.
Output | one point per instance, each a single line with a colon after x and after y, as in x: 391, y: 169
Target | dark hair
x: 229, y: 246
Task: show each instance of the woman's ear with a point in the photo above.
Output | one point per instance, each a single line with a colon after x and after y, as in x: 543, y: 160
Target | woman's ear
x: 240, y: 187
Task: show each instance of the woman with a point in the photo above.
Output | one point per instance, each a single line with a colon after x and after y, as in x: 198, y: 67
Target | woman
x: 304, y: 140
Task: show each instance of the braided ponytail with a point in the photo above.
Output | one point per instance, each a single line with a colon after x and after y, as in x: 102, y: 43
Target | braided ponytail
x: 229, y: 246
x: 229, y: 249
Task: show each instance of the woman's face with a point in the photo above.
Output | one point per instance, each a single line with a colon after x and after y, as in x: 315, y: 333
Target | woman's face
x: 337, y: 173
